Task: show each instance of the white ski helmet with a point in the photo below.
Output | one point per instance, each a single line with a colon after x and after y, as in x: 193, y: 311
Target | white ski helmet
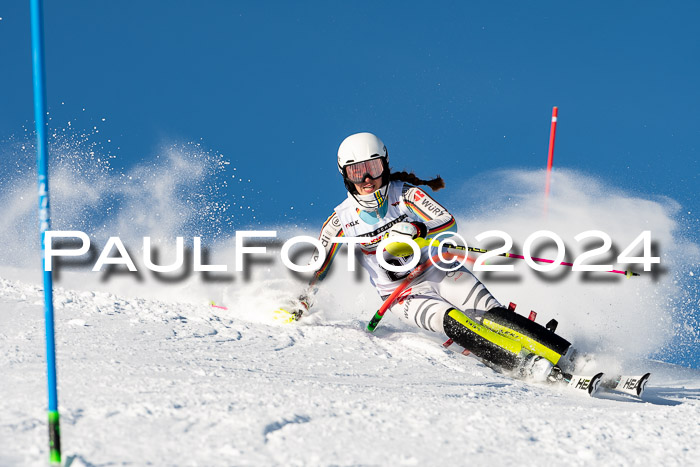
x: 363, y: 147
x: 358, y: 148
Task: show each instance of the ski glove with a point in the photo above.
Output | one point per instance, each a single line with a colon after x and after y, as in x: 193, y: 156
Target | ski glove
x: 293, y: 310
x: 408, y: 229
x: 401, y: 232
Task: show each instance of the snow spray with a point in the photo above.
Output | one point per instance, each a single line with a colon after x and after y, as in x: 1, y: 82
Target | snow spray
x: 653, y: 314
x: 182, y: 191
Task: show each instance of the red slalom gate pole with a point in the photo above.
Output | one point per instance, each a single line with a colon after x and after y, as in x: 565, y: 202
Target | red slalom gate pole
x: 372, y: 325
x: 550, y: 156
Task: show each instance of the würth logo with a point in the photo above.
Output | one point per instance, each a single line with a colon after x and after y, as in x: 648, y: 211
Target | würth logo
x: 418, y: 195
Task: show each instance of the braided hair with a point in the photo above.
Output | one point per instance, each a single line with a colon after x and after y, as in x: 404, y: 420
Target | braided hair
x: 435, y: 184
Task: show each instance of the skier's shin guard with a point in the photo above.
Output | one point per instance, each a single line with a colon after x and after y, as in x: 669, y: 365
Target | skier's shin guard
x: 481, y: 341
x: 533, y: 336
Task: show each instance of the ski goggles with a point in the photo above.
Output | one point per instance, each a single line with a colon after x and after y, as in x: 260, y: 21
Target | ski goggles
x: 356, y: 173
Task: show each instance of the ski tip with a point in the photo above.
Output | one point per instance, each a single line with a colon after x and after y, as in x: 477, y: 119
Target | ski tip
x: 595, y: 384
x: 632, y: 385
x: 641, y: 385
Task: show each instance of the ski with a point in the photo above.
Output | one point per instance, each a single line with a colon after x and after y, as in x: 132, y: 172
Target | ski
x: 632, y: 385
x: 589, y: 384
x: 586, y: 384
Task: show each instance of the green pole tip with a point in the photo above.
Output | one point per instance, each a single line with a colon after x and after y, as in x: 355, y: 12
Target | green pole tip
x: 54, y: 439
x: 372, y: 325
x: 54, y: 458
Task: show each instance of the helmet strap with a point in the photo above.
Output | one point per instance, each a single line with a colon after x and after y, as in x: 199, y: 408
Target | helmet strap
x: 350, y: 186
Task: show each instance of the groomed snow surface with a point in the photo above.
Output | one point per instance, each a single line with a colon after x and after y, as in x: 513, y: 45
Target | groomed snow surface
x: 149, y: 382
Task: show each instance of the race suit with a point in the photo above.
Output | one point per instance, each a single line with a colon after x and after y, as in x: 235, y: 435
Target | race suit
x: 430, y: 296
x: 453, y: 303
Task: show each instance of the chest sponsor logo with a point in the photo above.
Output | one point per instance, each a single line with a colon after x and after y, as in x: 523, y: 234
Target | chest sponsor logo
x: 352, y: 224
x: 376, y: 235
x: 432, y: 208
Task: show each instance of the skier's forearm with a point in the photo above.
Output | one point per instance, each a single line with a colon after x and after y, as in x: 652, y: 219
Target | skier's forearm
x: 330, y: 230
x: 436, y: 218
x: 450, y: 225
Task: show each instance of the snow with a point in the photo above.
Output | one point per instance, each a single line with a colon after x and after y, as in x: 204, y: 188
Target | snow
x: 149, y: 373
x: 147, y: 381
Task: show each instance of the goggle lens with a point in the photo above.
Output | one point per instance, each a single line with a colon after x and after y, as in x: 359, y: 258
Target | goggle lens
x: 357, y: 173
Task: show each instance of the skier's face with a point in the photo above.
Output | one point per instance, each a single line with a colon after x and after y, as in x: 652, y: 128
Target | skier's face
x: 369, y: 186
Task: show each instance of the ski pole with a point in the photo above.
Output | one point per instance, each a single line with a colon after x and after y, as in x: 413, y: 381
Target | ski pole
x: 541, y: 260
x: 424, y: 242
x: 372, y: 325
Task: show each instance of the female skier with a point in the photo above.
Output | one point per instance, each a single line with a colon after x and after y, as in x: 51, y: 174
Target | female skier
x: 381, y: 204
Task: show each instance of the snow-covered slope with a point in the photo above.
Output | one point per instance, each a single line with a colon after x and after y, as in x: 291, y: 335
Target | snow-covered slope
x: 150, y: 374
x: 144, y: 381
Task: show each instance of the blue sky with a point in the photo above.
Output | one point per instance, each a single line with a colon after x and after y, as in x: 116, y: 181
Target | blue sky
x: 459, y: 88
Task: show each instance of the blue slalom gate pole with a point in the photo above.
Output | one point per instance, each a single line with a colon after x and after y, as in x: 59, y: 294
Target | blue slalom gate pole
x: 45, y: 220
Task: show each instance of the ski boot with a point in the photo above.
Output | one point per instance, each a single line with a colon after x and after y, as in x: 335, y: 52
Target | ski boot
x: 539, y: 369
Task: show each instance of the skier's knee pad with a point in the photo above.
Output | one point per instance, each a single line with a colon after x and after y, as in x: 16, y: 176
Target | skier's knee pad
x: 481, y: 341
x: 533, y: 336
